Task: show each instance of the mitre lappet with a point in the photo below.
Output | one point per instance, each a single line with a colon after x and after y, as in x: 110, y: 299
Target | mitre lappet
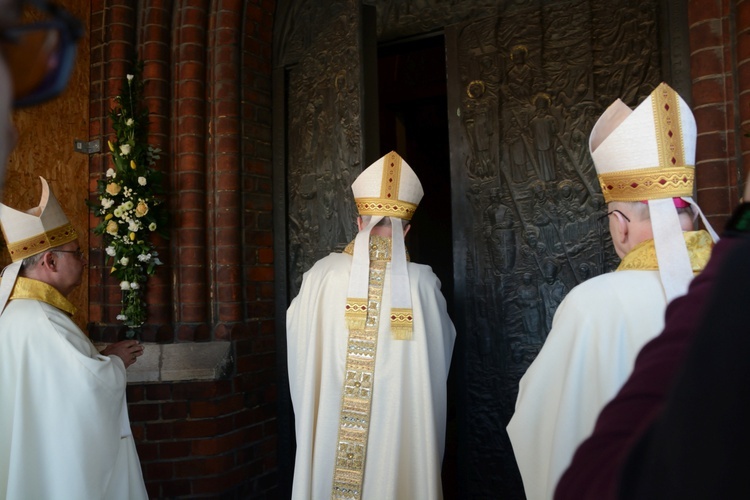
x: 31, y: 232
x: 647, y: 154
x: 387, y: 188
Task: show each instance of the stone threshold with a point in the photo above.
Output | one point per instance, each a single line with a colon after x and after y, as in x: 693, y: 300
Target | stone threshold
x: 181, y: 362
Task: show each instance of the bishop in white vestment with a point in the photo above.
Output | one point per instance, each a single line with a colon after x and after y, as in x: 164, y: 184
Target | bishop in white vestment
x: 64, y: 428
x: 369, y: 349
x: 645, y: 159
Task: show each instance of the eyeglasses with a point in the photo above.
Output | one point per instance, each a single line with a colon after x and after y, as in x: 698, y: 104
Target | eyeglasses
x: 40, y: 55
x: 78, y: 253
x: 613, y: 211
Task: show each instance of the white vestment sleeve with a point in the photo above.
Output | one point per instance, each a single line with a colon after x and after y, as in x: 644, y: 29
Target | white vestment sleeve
x: 596, y: 334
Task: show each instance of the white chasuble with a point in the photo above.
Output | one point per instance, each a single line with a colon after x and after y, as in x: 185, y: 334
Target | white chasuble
x: 404, y: 427
x: 64, y: 430
x: 596, y: 334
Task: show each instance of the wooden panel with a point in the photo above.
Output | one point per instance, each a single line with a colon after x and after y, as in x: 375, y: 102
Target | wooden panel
x: 45, y: 147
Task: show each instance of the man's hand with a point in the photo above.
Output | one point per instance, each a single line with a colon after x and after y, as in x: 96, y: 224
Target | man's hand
x: 127, y: 350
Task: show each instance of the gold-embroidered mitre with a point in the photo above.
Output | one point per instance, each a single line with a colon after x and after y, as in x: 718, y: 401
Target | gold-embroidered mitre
x: 31, y: 232
x: 387, y: 188
x: 37, y: 229
x: 647, y: 153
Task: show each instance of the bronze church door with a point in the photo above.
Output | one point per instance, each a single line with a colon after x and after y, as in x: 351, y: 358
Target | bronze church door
x: 525, y: 82
x: 524, y: 90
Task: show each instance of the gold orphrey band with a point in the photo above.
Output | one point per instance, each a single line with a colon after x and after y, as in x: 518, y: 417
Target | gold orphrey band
x: 356, y: 398
x: 19, y: 250
x: 648, y: 183
x: 672, y: 178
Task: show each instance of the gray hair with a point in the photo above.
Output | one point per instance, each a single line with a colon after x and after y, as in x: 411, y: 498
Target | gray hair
x: 31, y: 261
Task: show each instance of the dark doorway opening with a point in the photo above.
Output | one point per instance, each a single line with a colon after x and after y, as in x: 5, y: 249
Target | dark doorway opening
x: 413, y: 121
x: 412, y: 93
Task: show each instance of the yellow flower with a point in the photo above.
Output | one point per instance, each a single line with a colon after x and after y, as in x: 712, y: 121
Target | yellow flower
x: 132, y: 164
x: 112, y: 227
x: 141, y: 209
x: 132, y: 236
x: 108, y: 216
x: 112, y: 270
x: 113, y: 188
x: 111, y: 146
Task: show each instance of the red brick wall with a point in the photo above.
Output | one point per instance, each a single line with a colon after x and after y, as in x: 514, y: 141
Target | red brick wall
x: 720, y: 77
x: 742, y: 27
x: 207, y: 76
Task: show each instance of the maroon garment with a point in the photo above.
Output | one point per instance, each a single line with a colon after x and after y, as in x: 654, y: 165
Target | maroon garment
x: 697, y: 446
x: 595, y: 468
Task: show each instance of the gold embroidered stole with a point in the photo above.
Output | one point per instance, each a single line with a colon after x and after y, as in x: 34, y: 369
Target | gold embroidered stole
x: 643, y: 256
x: 26, y: 288
x: 359, y: 378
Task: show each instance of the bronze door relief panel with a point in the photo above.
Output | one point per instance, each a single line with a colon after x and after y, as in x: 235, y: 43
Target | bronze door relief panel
x: 524, y: 91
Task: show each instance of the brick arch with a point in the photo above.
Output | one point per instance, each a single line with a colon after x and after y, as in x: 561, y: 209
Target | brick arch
x: 224, y: 158
x: 742, y: 17
x: 207, y: 75
x: 719, y: 62
x: 192, y: 54
x: 153, y: 42
x: 189, y: 169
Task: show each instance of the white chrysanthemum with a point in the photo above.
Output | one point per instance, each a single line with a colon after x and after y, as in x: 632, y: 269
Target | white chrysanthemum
x: 110, y: 251
x: 144, y: 257
x: 128, y: 205
x: 125, y: 149
x: 118, y: 212
x: 124, y: 285
x: 142, y: 181
x: 124, y: 261
x: 111, y: 173
x: 152, y: 226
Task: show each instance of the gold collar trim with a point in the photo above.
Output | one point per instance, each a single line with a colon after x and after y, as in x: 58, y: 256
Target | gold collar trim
x: 26, y: 288
x: 380, y: 248
x: 643, y: 256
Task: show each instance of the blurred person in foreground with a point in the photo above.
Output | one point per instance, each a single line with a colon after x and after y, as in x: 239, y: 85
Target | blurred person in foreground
x: 369, y: 349
x: 64, y: 428
x: 645, y: 160
x: 36, y: 61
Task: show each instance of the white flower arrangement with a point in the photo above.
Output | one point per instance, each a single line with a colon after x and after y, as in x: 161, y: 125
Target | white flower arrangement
x: 129, y: 203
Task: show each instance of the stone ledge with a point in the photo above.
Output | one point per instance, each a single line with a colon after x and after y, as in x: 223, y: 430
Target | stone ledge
x: 181, y: 362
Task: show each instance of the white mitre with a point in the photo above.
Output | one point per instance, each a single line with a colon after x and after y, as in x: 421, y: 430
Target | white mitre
x: 648, y: 154
x: 32, y: 232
